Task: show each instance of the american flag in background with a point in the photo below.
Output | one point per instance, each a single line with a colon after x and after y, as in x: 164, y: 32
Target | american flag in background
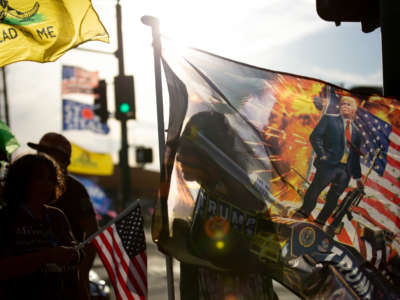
x: 76, y: 80
x: 381, y: 205
x: 122, y: 248
x: 376, y: 137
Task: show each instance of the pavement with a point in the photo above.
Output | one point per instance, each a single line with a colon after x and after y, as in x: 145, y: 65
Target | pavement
x: 157, y: 278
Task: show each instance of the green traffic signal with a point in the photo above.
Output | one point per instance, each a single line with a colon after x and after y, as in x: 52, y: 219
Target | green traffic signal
x: 124, y: 107
x: 124, y: 89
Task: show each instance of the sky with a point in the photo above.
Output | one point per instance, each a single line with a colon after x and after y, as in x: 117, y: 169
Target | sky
x: 281, y: 35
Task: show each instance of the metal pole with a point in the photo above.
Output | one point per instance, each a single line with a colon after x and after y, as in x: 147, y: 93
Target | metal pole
x: 155, y: 26
x: 5, y: 94
x: 153, y: 22
x: 120, y: 51
x: 124, y: 164
x: 123, y: 154
x: 389, y: 15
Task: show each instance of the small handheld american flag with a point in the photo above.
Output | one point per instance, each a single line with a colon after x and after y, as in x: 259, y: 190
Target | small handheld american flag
x: 121, y: 246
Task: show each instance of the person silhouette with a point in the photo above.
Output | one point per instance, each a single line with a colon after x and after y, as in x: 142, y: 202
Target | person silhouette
x: 38, y: 258
x: 74, y: 202
x: 203, y: 129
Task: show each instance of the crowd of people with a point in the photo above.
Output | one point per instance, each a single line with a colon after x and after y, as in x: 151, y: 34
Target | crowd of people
x: 45, y: 214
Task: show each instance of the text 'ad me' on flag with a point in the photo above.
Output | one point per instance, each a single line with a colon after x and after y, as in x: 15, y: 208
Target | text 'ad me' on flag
x: 43, y: 31
x: 122, y: 249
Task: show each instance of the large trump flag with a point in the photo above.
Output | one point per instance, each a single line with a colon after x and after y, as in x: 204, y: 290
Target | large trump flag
x: 239, y: 161
x: 42, y: 31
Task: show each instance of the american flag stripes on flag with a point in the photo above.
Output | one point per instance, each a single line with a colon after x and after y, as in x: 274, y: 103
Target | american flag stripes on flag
x: 270, y: 116
x: 76, y: 80
x: 382, y: 188
x: 122, y: 249
x: 379, y: 208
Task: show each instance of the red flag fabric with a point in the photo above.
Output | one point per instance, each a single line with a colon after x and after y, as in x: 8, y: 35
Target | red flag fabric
x: 122, y: 248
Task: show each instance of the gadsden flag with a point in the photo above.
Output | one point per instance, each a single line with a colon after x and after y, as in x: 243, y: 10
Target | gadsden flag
x: 43, y: 30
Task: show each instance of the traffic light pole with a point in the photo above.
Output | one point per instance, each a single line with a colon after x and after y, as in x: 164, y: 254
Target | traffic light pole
x: 124, y: 165
x: 123, y: 154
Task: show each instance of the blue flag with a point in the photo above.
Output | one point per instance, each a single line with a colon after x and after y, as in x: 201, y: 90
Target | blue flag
x: 79, y: 116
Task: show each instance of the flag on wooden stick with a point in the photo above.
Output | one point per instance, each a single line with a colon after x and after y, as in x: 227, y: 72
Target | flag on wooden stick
x: 122, y: 249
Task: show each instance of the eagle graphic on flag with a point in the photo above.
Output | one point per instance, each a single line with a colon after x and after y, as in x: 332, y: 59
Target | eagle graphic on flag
x: 238, y: 162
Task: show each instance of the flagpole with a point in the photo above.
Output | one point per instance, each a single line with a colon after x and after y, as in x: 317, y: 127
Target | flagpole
x: 5, y: 94
x: 111, y: 222
x: 155, y: 26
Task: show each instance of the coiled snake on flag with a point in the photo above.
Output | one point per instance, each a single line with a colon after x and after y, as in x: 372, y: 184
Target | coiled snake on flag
x: 6, y: 10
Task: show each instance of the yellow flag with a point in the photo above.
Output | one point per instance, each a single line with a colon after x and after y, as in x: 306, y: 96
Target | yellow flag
x: 86, y: 162
x: 43, y: 30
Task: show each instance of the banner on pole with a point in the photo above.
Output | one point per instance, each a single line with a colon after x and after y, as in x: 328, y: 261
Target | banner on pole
x: 91, y: 163
x: 80, y: 116
x: 280, y: 174
x: 43, y: 31
x: 76, y: 80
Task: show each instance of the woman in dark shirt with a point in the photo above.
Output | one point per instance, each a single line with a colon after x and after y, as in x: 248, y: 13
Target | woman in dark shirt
x: 37, y: 255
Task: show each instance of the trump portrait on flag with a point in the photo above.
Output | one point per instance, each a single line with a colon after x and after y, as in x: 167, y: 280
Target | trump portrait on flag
x: 337, y: 143
x: 276, y: 125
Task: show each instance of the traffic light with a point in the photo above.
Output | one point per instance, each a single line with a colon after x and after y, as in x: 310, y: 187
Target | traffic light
x: 124, y: 97
x: 100, y: 101
x: 365, y: 11
x: 144, y: 155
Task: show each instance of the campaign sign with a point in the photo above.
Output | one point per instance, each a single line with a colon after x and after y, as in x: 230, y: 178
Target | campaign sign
x: 80, y: 116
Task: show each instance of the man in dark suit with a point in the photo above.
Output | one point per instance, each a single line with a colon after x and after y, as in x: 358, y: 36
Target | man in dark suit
x: 336, y: 141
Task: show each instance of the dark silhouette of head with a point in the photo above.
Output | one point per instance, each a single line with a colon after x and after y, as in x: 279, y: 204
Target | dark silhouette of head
x: 21, y: 174
x: 56, y: 146
x: 196, y: 163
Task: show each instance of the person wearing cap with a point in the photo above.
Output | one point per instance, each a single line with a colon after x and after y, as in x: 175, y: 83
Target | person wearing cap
x: 74, y: 202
